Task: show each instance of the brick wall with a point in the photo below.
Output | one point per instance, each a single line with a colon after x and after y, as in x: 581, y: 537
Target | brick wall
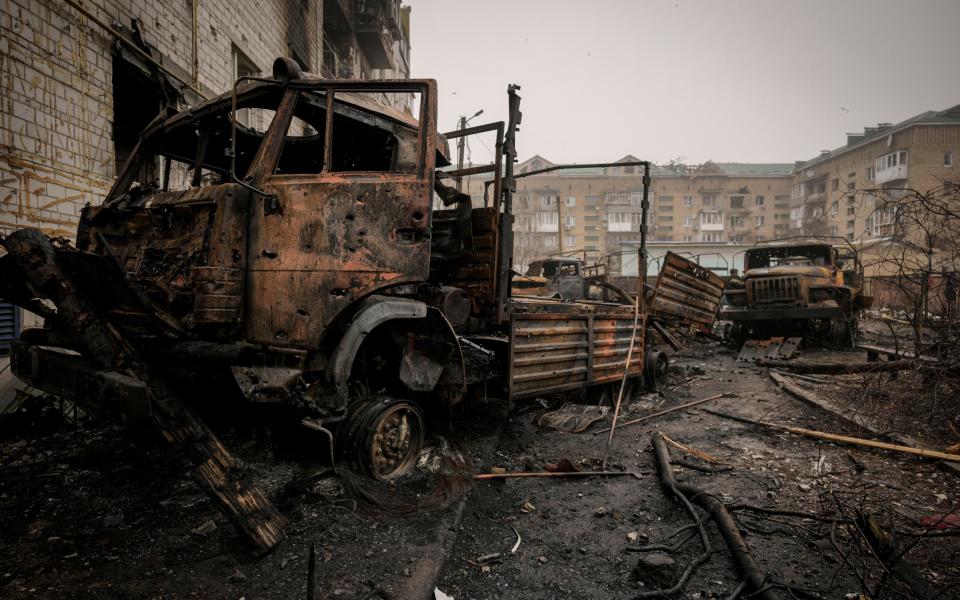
x: 56, y: 75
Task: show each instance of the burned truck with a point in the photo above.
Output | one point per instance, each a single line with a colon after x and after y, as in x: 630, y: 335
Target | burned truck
x: 797, y: 286
x: 296, y: 235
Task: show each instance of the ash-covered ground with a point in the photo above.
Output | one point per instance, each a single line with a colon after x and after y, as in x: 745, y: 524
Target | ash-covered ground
x: 89, y: 511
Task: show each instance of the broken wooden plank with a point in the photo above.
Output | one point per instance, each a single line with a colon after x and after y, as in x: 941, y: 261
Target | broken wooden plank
x: 217, y: 472
x: 843, y: 439
x: 667, y: 337
x: 849, y: 416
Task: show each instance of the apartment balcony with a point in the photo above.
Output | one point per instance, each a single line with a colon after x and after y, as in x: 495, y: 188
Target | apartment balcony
x: 710, y: 221
x: 373, y: 35
x: 894, y: 173
x: 816, y: 198
x: 545, y: 227
x: 337, y: 15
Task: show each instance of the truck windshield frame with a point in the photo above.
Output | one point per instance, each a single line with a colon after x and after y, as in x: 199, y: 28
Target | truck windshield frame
x: 202, y: 140
x: 778, y: 256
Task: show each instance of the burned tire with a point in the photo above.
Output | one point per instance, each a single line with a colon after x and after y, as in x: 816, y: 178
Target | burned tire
x: 843, y: 332
x: 383, y: 435
x: 655, y: 367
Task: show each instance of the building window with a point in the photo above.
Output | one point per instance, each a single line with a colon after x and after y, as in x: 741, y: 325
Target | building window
x: 620, y: 221
x: 711, y: 236
x: 758, y: 201
x: 711, y: 218
x: 736, y: 221
x: 870, y: 173
x: 817, y: 213
x: 948, y: 160
x: 688, y: 201
x: 708, y: 201
x: 569, y: 220
x: 758, y: 220
x: 688, y: 238
x: 667, y: 199
x: 735, y: 202
x: 571, y: 201
x: 835, y: 184
x: 850, y: 224
x: 547, y: 221
x: 851, y: 187
x: 244, y: 67
x: 851, y: 205
x: 548, y: 201
x: 834, y: 230
x: 569, y: 241
x: 834, y: 209
x: 688, y: 221
x: 888, y: 161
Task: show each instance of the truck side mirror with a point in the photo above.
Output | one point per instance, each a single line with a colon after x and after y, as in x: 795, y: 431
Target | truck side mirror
x: 840, y: 264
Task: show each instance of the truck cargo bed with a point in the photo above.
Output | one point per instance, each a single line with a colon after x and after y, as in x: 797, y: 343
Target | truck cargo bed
x: 565, y: 346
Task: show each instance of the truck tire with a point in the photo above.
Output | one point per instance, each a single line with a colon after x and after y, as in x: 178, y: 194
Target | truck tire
x: 655, y: 367
x: 383, y: 436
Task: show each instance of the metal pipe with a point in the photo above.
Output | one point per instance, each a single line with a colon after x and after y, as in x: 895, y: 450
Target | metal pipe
x: 644, y: 208
x: 195, y: 10
x: 131, y: 46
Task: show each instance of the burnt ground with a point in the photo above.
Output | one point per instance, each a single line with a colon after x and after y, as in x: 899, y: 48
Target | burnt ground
x: 89, y: 512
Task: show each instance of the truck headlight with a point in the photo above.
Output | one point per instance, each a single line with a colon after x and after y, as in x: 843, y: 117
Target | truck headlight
x: 821, y: 294
x: 736, y: 299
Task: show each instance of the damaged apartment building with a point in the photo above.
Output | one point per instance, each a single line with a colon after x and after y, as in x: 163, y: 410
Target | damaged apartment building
x: 598, y: 209
x: 81, y: 80
x: 724, y: 207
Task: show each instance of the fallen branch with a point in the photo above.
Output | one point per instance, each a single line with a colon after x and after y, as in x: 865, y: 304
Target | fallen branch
x: 517, y: 543
x: 843, y: 439
x: 839, y: 368
x: 737, y: 547
x: 687, y: 382
x: 695, y: 467
x: 669, y: 410
x: 517, y: 474
x: 692, y: 451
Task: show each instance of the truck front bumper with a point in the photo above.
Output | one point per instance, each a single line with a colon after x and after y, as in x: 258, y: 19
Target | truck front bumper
x: 738, y: 313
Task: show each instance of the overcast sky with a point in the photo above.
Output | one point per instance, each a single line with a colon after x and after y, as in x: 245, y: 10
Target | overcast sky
x: 729, y: 81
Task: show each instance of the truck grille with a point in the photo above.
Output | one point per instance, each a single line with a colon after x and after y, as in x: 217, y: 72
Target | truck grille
x: 775, y: 289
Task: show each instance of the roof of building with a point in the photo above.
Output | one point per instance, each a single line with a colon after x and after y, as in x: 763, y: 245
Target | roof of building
x: 950, y: 116
x: 763, y: 169
x: 675, y: 169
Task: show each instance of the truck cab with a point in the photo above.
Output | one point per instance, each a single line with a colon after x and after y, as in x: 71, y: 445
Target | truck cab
x: 811, y: 285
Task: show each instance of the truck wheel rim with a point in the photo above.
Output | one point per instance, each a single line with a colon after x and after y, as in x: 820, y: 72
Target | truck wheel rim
x: 395, y: 440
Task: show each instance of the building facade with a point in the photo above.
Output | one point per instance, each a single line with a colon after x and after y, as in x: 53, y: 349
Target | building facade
x: 837, y: 192
x: 81, y: 81
x: 596, y: 210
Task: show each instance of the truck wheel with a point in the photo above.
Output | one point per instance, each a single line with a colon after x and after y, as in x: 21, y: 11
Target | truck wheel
x: 384, y: 435
x: 844, y: 332
x: 655, y: 367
